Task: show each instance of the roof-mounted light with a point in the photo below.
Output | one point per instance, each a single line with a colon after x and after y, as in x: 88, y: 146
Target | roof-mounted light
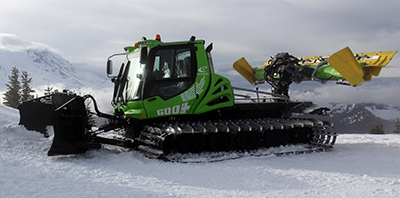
x: 158, y: 37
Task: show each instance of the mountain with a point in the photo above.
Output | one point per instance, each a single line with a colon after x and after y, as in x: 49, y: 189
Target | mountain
x: 47, y: 69
x: 359, y: 117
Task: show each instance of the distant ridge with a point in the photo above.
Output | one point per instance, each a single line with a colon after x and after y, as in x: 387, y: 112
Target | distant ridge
x: 46, y: 69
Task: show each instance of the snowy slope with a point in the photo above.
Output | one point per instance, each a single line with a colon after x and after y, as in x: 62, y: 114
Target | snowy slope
x: 359, y: 166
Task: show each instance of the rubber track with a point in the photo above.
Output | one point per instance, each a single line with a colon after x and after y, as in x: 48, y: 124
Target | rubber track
x: 154, y: 137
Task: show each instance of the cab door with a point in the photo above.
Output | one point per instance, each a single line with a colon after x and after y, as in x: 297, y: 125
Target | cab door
x: 171, y: 71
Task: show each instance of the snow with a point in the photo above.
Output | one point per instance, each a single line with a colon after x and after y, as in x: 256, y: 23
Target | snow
x: 358, y: 166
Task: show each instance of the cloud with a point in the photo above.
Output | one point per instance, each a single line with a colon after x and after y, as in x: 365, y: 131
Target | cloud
x: 89, y: 31
x: 12, y: 43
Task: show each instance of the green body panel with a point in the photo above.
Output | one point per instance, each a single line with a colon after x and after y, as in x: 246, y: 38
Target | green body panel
x: 259, y: 73
x: 157, y: 107
x: 208, y: 91
x: 326, y: 72
x: 219, y: 95
x: 135, y: 109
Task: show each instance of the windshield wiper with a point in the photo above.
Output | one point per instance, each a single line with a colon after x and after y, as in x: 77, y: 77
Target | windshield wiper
x: 123, y: 81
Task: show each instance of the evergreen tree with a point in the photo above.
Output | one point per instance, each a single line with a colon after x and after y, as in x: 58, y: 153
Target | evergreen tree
x: 377, y: 128
x: 47, y: 91
x: 397, y: 126
x: 26, y: 88
x: 12, y: 97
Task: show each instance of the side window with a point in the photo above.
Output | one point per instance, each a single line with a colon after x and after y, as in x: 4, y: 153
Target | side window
x: 183, y: 63
x: 162, y: 64
x: 172, y: 64
x: 171, y: 73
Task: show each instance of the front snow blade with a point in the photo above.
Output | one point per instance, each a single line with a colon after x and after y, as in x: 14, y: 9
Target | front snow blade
x: 71, y: 124
x: 36, y: 114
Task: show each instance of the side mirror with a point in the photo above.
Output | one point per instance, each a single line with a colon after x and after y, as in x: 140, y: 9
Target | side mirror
x: 109, y: 67
x: 143, y: 55
x: 209, y: 48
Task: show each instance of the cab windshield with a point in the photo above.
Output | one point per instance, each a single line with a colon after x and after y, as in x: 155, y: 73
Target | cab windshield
x: 134, y: 75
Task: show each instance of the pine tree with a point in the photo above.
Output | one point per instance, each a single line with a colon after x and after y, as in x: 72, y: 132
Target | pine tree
x: 12, y: 97
x: 377, y: 128
x: 47, y: 91
x: 397, y: 126
x: 26, y: 88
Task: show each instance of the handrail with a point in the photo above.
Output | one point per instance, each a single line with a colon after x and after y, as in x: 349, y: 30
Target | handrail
x: 257, y: 92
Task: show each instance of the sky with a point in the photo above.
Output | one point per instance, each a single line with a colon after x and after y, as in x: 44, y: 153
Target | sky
x: 87, y: 32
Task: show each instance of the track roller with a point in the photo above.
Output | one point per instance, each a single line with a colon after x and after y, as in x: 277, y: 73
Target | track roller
x: 303, y: 135
x: 248, y: 140
x: 190, y: 142
x: 220, y: 141
x: 276, y: 138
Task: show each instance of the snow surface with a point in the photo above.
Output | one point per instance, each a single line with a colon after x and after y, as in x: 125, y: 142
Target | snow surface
x: 359, y: 166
